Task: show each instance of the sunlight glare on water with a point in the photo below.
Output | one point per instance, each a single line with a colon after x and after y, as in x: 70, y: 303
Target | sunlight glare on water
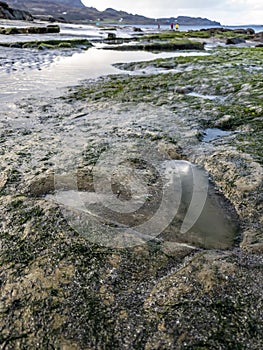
x: 46, y: 78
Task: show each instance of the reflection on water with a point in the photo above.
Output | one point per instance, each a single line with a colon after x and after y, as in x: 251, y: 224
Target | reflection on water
x: 188, y: 211
x: 48, y: 79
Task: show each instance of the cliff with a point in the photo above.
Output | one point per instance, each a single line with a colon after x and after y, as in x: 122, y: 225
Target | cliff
x: 7, y: 12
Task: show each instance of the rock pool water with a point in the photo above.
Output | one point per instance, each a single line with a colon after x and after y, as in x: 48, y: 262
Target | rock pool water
x: 207, y: 97
x: 211, y: 134
x: 188, y: 211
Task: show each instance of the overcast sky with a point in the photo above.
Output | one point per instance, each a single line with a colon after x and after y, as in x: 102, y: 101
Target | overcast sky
x: 224, y: 11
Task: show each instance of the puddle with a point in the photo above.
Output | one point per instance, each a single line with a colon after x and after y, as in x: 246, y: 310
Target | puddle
x: 211, y: 134
x: 209, y: 222
x: 180, y: 205
x: 153, y: 70
x: 207, y: 97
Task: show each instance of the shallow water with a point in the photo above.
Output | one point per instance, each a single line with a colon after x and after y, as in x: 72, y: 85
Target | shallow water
x: 211, y: 134
x: 207, y: 97
x: 31, y: 73
x: 189, y: 210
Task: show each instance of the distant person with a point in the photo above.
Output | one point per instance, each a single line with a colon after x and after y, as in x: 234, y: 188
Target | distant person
x: 172, y: 26
x: 177, y: 26
x: 159, y: 26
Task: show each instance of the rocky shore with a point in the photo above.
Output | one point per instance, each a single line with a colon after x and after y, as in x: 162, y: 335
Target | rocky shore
x: 66, y: 282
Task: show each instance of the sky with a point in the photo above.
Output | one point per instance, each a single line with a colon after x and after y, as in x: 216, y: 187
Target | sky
x: 227, y: 12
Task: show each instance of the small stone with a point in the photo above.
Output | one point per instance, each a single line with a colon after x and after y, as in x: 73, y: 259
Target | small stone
x: 3, y: 180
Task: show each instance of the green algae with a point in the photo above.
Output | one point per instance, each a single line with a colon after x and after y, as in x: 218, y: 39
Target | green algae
x: 168, y: 35
x: 50, y: 44
x: 232, y: 74
x: 165, y: 45
x: 220, y: 56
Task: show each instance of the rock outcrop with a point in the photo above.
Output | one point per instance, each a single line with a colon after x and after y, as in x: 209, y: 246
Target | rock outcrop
x: 7, y: 12
x: 30, y: 30
x: 235, y: 41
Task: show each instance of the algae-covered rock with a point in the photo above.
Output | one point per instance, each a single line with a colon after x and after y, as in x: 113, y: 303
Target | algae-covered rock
x: 30, y: 30
x: 160, y: 46
x: 235, y: 41
x: 51, y: 44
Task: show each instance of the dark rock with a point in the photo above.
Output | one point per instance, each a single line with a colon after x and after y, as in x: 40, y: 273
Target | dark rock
x: 235, y: 41
x: 214, y: 30
x: 250, y: 31
x: 37, y: 30
x: 7, y: 12
x: 111, y: 36
x: 53, y: 29
x: 258, y: 36
x: 30, y: 30
x: 138, y: 30
x: 240, y: 31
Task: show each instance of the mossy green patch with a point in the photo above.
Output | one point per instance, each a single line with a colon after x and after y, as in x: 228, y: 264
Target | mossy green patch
x: 51, y: 44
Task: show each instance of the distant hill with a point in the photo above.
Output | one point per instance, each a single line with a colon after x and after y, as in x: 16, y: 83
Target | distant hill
x: 192, y: 21
x: 76, y: 11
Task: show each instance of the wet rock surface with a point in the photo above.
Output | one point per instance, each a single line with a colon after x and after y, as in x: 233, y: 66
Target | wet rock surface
x: 61, y: 288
